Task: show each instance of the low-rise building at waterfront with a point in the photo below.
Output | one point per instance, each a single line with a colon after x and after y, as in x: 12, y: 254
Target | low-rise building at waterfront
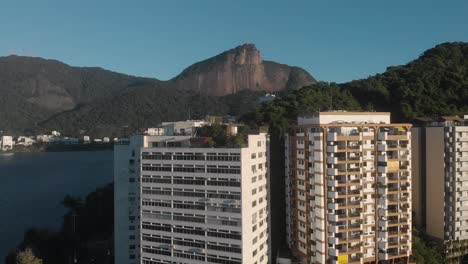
x: 7, y: 143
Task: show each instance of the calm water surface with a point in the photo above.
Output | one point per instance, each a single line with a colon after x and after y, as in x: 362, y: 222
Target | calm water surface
x: 32, y: 186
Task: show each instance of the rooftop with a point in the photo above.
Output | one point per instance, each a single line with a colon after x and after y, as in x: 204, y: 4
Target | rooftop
x: 344, y: 117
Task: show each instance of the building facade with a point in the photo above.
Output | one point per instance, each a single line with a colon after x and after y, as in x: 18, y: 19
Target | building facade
x: 179, y: 203
x: 440, y: 149
x: 7, y: 143
x: 348, y: 188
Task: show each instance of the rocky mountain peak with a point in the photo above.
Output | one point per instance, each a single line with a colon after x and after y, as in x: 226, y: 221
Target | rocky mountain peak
x: 245, y: 54
x: 240, y: 68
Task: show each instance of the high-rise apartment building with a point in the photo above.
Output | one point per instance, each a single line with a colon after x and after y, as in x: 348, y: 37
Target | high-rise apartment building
x: 440, y: 156
x: 348, y: 188
x: 179, y: 201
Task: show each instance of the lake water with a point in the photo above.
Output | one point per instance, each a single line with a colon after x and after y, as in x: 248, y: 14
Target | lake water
x: 32, y: 186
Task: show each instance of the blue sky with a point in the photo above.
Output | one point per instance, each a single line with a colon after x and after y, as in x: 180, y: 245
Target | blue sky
x: 333, y: 40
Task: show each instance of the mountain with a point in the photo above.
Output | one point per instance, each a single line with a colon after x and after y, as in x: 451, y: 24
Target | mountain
x: 34, y: 89
x: 147, y: 107
x: 38, y: 94
x: 55, y: 86
x: 238, y: 69
x: 434, y: 84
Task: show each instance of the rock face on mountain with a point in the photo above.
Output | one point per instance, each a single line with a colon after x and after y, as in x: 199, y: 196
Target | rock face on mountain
x: 241, y: 68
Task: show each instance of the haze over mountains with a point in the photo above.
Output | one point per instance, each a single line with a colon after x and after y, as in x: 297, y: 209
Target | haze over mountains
x: 34, y: 90
x: 37, y: 95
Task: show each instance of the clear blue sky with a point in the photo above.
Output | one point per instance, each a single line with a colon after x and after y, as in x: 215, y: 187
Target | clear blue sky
x: 333, y: 40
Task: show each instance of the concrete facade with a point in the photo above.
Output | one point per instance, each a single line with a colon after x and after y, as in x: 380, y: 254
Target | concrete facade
x: 197, y: 205
x: 7, y: 142
x: 348, y: 188
x: 441, y: 192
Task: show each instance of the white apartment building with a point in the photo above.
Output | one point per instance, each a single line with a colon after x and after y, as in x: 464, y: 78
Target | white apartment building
x: 197, y: 204
x: 127, y: 198
x: 440, y: 148
x: 348, y: 188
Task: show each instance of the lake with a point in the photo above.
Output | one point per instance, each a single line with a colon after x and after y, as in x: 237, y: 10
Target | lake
x: 34, y: 184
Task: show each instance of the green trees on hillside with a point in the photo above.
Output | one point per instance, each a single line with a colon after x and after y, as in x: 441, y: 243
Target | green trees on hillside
x: 322, y: 96
x: 434, y: 84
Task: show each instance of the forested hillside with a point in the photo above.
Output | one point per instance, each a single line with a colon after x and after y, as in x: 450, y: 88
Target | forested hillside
x: 434, y: 84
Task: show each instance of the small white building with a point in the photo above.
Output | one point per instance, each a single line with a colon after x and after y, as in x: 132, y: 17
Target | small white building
x: 182, y: 128
x: 55, y: 133
x: 7, y: 143
x: 86, y: 140
x: 106, y: 140
x: 70, y: 141
x: 43, y: 138
x: 25, y: 141
x: 155, y: 131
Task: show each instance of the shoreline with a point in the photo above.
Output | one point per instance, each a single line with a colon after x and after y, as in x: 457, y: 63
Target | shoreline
x: 60, y: 148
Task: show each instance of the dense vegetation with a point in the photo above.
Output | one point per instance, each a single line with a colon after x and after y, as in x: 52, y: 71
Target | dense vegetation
x: 138, y: 109
x: 86, y: 232
x: 434, y: 84
x: 424, y: 250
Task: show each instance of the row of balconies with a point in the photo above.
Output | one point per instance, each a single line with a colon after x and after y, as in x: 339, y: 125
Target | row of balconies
x: 344, y: 228
x: 343, y: 194
x: 355, y: 249
x: 394, y: 254
x: 340, y: 238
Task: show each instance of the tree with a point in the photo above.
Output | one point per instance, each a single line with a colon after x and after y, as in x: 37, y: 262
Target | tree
x: 27, y: 257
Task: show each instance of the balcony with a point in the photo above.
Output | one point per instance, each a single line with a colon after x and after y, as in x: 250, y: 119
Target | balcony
x: 383, y: 256
x: 332, y: 160
x: 332, y: 149
x: 332, y: 136
x: 383, y: 158
x: 383, y: 180
x: 382, y: 148
x: 382, y: 136
x: 383, y: 191
x: 333, y: 252
x: 383, y: 235
x: 382, y: 169
x: 337, y: 217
